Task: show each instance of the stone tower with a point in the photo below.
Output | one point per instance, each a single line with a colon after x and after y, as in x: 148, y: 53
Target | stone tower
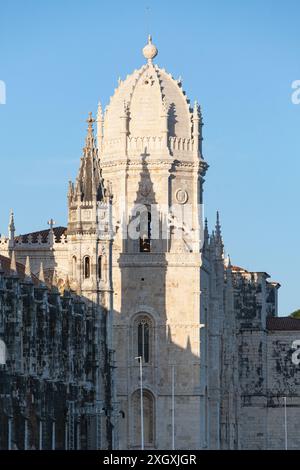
x: 89, y: 252
x: 149, y: 141
x: 89, y: 236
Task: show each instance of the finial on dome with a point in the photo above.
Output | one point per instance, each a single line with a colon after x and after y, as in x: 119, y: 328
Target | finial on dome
x: 150, y: 50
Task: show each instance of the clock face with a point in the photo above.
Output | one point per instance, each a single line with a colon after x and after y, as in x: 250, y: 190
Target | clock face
x: 181, y: 196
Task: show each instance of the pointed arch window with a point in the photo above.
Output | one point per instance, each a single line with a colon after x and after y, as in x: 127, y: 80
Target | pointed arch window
x: 144, y: 338
x: 86, y: 267
x: 100, y: 267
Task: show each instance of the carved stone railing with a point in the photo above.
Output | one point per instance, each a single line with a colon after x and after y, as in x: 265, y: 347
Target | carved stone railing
x: 134, y: 145
x: 28, y: 242
x: 181, y: 144
x: 112, y: 145
x: 139, y: 144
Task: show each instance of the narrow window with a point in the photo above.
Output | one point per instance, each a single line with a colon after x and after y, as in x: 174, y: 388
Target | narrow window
x: 100, y: 267
x: 144, y: 340
x: 87, y: 267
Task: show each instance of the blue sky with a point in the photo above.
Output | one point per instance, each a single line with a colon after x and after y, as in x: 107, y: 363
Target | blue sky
x: 238, y: 58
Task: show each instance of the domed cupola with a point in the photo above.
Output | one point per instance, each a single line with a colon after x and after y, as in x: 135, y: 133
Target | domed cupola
x: 148, y: 104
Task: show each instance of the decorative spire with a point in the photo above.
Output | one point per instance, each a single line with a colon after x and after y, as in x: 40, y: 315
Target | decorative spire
x: 89, y: 184
x: 150, y: 50
x: 11, y: 226
x: 197, y: 132
x: 89, y: 140
x: 51, y: 223
x: 229, y: 265
x: 219, y: 240
x: 13, y: 263
x: 71, y: 190
x: 54, y: 278
x: 99, y: 112
x: 218, y: 227
x: 212, y: 242
x: 41, y: 274
x: 27, y: 269
x: 197, y: 117
x: 196, y: 109
x: 206, y: 234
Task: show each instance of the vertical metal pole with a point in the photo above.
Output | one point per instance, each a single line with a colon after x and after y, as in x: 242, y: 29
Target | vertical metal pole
x: 173, y: 407
x: 66, y: 435
x: 78, y: 436
x: 113, y: 397
x: 143, y: 339
x: 285, y: 425
x: 142, y: 403
x: 9, y: 433
x: 25, y: 434
x: 41, y: 436
x: 53, y: 435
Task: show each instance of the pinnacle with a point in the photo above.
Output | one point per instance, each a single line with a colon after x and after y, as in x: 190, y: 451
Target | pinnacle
x: 27, y: 269
x: 41, y: 274
x: 13, y: 264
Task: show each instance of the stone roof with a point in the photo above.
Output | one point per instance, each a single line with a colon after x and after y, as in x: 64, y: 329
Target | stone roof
x: 243, y: 270
x: 145, y: 95
x: 5, y: 267
x: 283, y: 324
x: 58, y: 232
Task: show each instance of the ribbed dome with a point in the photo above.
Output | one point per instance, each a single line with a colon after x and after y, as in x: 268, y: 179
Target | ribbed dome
x: 147, y: 95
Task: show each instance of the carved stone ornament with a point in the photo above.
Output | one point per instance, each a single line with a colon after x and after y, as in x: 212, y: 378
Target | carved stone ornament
x: 102, y: 215
x: 148, y: 80
x: 181, y: 196
x: 115, y: 199
x: 86, y: 214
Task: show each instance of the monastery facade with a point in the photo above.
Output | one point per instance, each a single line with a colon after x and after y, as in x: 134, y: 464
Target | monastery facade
x: 152, y: 291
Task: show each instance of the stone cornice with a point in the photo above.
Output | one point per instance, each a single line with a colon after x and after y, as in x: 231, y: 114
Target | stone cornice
x: 200, y: 165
